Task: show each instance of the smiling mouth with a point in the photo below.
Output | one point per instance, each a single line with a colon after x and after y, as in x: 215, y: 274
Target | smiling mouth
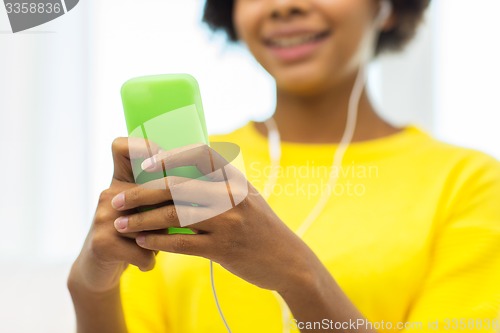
x: 292, y: 41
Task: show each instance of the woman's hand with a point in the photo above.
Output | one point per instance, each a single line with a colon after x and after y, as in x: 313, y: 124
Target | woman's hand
x: 106, y: 253
x: 235, y: 226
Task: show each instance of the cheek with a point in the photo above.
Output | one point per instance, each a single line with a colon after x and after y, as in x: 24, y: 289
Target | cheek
x: 249, y: 19
x: 245, y: 20
x: 353, y: 33
x: 237, y: 19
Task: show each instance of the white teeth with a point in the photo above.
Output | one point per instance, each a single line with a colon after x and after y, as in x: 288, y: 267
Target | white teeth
x: 293, y: 41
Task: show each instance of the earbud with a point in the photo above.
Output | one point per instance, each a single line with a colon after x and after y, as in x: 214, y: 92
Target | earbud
x: 384, y: 13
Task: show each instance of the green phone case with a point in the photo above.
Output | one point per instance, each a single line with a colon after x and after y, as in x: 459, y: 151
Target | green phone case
x: 167, y: 110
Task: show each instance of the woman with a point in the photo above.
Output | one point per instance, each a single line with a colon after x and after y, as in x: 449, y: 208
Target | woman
x: 407, y: 238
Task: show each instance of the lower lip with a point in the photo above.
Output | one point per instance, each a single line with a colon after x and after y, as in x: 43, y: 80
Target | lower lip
x: 296, y: 53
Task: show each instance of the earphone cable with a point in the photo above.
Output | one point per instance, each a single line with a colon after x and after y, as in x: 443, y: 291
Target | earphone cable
x: 214, y: 291
x: 275, y: 154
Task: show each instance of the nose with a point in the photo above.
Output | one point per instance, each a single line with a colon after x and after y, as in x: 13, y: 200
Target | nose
x: 287, y: 9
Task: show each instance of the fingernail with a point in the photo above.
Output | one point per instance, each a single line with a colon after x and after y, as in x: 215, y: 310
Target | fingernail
x: 118, y: 201
x: 141, y: 240
x: 148, y: 163
x: 121, y: 223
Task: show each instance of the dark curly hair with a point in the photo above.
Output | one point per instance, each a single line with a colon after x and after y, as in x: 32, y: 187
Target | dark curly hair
x: 218, y: 15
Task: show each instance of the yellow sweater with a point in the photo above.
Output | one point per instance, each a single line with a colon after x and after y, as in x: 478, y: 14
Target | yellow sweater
x: 411, y: 233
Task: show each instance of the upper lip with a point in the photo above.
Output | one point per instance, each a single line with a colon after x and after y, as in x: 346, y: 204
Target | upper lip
x: 292, y: 32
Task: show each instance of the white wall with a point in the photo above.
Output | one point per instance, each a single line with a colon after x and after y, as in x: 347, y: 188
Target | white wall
x: 43, y: 103
x: 468, y: 70
x: 405, y: 81
x: 44, y: 206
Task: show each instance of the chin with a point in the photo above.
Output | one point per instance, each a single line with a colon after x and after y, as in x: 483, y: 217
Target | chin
x: 306, y: 79
x: 307, y: 84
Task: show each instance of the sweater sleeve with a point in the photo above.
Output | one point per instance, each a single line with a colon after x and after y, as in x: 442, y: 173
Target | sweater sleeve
x: 461, y: 291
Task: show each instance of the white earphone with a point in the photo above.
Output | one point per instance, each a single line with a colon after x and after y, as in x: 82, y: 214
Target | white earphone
x: 384, y: 13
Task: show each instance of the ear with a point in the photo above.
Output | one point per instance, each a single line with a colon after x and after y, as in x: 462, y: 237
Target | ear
x: 386, y: 18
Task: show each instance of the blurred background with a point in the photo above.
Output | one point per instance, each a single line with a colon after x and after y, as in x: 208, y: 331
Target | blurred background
x: 60, y: 109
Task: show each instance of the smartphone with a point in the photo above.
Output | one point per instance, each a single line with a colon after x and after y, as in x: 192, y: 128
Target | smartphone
x: 167, y: 110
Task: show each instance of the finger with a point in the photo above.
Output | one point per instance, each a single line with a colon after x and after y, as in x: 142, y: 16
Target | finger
x: 125, y: 149
x: 151, y: 193
x: 145, y: 261
x: 201, y: 156
x: 132, y: 235
x: 165, y: 217
x: 134, y: 148
x: 179, y: 189
x: 119, y: 249
x: 155, y: 219
x: 199, y: 245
